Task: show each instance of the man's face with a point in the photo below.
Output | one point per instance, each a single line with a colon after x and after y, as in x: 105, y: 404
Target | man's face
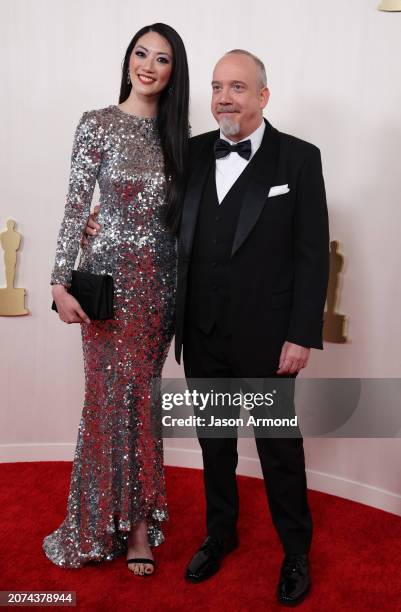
x: 238, y: 96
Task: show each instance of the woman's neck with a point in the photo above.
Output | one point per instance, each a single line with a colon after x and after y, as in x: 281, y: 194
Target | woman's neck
x: 142, y: 106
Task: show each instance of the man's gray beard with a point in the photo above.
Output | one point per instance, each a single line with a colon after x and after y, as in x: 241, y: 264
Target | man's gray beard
x: 229, y: 127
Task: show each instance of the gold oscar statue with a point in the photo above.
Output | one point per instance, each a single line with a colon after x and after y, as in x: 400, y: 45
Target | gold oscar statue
x: 334, y: 323
x: 12, y: 300
x: 390, y: 5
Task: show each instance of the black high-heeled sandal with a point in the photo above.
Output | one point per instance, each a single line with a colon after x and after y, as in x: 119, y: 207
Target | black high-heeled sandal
x: 142, y: 560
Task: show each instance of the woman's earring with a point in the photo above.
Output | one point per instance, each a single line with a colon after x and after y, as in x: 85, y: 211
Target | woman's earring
x: 128, y: 78
x: 170, y: 90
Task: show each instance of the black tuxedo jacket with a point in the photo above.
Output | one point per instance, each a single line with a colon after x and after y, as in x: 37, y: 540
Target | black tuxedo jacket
x: 279, y: 262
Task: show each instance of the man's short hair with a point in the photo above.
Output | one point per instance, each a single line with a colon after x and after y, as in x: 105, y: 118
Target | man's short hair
x: 258, y: 62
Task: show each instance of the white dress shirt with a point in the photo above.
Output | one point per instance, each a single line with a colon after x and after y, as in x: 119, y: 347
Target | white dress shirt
x: 229, y: 168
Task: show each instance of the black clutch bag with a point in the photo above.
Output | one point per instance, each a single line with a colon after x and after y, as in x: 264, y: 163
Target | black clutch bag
x: 94, y: 293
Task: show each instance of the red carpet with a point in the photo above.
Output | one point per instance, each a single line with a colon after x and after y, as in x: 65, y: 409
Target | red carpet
x: 355, y: 555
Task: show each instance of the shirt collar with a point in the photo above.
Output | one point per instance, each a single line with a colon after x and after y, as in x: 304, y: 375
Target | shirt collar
x: 255, y: 138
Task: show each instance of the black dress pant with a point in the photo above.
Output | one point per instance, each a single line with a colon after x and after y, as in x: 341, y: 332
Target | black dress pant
x: 210, y: 356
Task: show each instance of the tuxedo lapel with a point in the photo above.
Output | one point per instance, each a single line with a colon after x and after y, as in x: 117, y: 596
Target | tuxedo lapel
x: 261, y: 178
x: 194, y: 192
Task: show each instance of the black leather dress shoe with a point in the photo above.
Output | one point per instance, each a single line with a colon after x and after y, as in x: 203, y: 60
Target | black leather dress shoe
x: 206, y: 561
x: 295, y: 581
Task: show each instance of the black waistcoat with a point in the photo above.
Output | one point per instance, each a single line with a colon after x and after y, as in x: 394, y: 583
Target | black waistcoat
x: 208, y: 297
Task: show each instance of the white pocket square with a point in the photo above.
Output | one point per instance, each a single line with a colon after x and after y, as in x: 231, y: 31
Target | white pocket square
x: 278, y: 190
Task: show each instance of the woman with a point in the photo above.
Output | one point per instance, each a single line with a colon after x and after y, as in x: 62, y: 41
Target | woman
x: 117, y: 498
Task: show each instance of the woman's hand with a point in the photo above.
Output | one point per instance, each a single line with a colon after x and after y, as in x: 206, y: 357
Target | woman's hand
x: 68, y: 307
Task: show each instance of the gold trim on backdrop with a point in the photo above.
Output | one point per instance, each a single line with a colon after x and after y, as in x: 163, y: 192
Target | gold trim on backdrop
x: 390, y: 5
x: 334, y: 323
x: 12, y: 300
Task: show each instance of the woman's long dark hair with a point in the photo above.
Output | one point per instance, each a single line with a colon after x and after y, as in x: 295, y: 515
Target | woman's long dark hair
x: 172, y: 118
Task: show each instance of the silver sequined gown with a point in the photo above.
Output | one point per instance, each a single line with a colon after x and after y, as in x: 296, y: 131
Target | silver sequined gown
x: 117, y: 476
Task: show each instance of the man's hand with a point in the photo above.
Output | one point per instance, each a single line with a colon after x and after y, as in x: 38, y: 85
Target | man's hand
x: 293, y: 358
x: 92, y: 228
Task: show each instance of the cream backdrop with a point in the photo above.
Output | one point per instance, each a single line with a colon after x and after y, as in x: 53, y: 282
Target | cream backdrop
x: 334, y: 73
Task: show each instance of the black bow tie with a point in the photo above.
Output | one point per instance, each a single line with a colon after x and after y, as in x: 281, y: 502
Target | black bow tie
x: 222, y: 148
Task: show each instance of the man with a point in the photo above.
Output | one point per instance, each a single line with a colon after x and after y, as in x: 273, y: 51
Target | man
x: 252, y: 279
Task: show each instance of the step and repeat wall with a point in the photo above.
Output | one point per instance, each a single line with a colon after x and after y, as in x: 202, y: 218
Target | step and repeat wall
x: 333, y: 74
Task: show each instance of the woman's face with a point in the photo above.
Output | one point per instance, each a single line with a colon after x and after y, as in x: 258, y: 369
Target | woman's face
x: 151, y: 64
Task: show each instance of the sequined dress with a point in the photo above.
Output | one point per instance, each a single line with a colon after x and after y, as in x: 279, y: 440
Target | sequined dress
x: 117, y: 477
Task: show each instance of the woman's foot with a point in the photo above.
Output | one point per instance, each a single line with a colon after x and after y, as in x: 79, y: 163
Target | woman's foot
x: 138, y: 547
